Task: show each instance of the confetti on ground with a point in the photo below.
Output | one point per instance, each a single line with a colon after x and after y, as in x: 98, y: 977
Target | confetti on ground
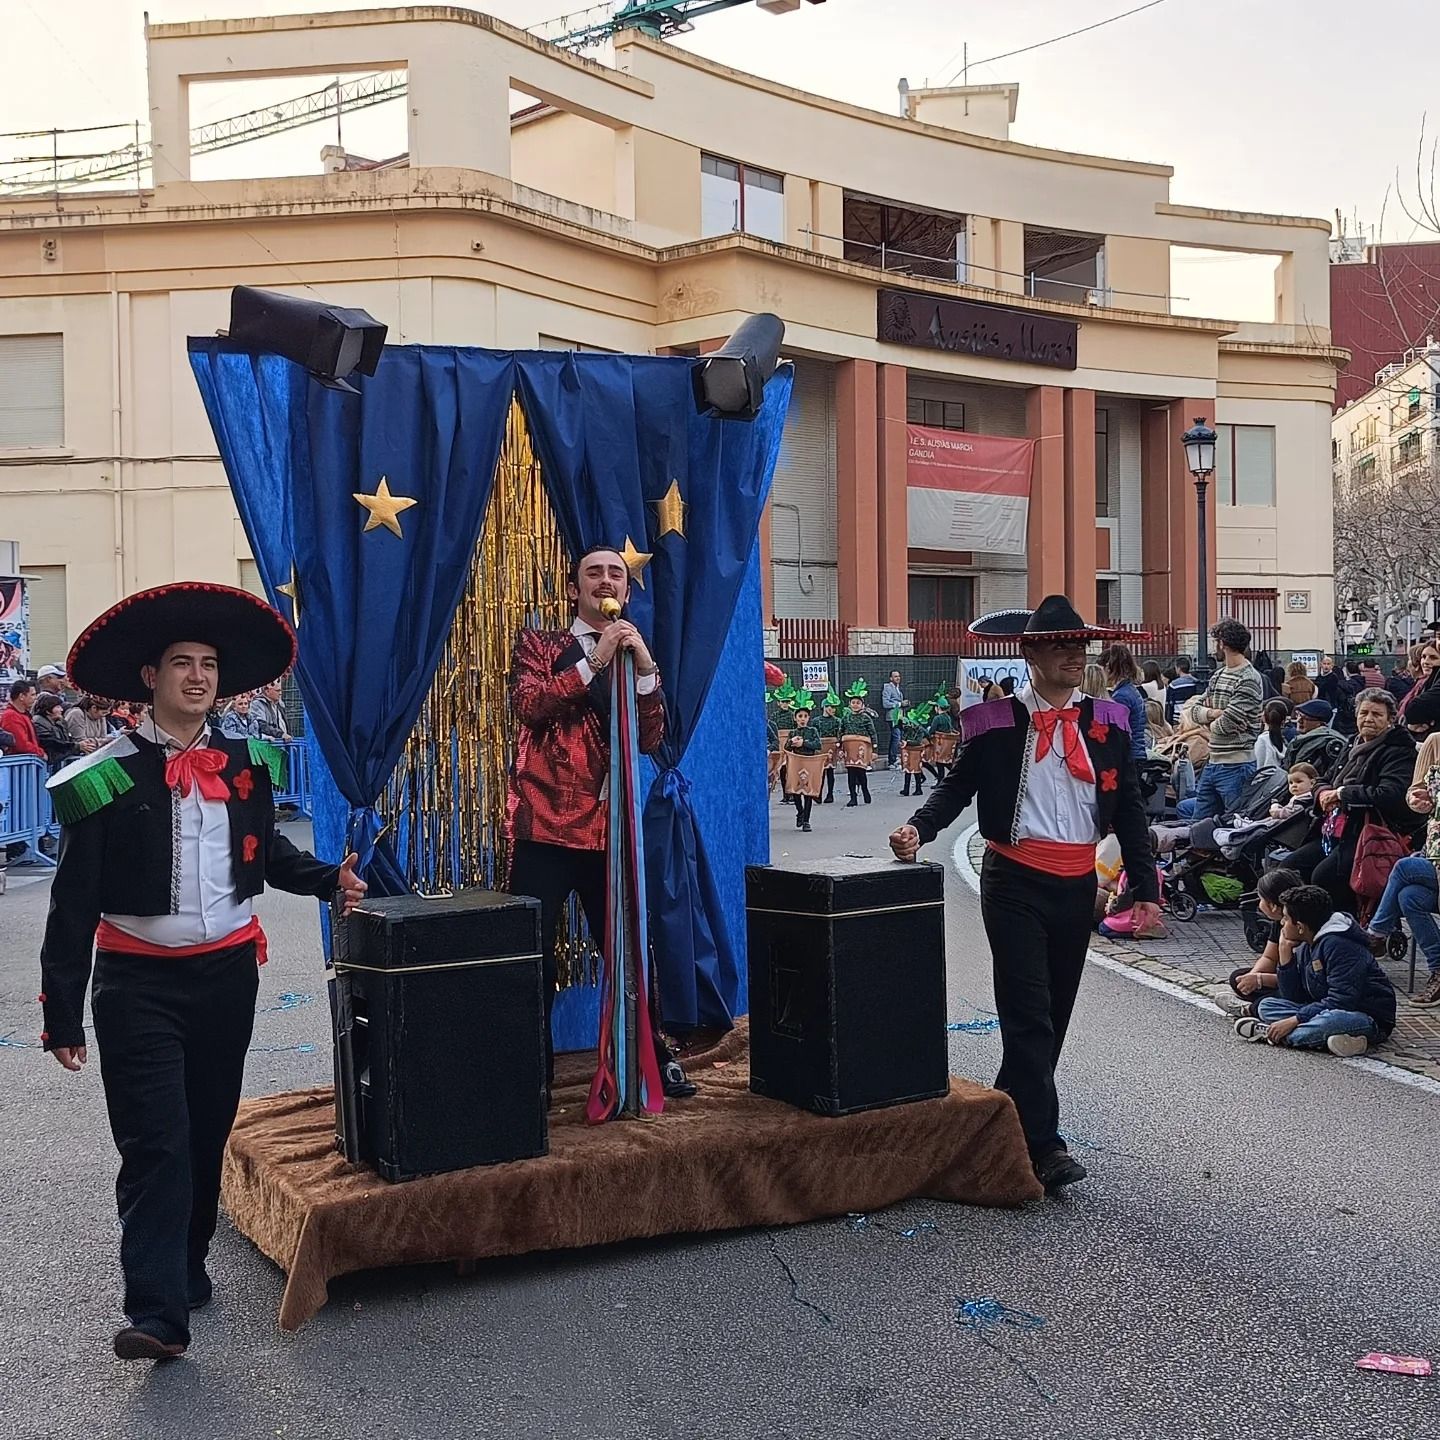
x: 984, y: 1316
x: 306, y: 1049
x: 1394, y: 1364
x: 8, y: 1042
x: 290, y: 1000
x: 978, y: 1026
x: 795, y: 1294
x: 858, y: 1221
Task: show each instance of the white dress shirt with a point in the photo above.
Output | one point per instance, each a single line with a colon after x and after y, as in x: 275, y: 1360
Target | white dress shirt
x: 203, y: 903
x: 589, y: 637
x: 1054, y: 805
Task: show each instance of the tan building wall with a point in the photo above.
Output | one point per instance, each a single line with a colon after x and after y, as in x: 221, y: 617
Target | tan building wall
x: 582, y: 224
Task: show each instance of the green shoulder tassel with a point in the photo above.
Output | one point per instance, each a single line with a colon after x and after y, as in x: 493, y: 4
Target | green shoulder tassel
x: 91, y: 789
x: 271, y: 757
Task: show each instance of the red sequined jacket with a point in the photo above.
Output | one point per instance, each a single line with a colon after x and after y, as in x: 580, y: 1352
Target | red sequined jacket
x: 562, y: 753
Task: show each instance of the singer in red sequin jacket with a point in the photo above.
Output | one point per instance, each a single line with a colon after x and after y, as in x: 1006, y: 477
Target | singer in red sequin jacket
x: 558, y: 793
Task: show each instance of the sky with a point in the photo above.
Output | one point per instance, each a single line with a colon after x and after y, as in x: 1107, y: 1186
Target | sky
x: 1294, y: 107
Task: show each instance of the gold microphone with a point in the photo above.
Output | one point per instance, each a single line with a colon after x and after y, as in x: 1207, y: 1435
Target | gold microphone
x: 610, y: 608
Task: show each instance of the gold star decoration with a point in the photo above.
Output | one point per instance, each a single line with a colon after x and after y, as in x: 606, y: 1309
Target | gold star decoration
x: 635, y: 561
x: 293, y: 591
x: 671, y: 510
x: 384, y: 508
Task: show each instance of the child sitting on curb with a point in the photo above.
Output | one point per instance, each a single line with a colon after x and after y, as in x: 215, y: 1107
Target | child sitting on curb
x: 1333, y: 995
x: 1252, y: 983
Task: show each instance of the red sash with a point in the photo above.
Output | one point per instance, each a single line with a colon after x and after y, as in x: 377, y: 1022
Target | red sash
x: 111, y: 937
x: 1054, y: 857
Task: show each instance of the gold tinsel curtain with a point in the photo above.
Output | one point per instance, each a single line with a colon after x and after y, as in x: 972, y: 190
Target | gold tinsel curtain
x: 446, y: 801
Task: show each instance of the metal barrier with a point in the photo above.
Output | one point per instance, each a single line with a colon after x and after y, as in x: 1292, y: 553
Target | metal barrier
x: 295, y: 788
x: 25, y: 813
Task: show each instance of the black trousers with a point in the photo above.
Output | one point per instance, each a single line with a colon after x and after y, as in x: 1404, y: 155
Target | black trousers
x: 859, y: 782
x: 829, y: 785
x: 172, y: 1036
x: 1330, y: 872
x: 1039, y: 928
x: 551, y: 873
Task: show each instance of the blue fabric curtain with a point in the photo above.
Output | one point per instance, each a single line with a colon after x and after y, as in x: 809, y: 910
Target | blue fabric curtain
x: 374, y: 608
x: 615, y: 436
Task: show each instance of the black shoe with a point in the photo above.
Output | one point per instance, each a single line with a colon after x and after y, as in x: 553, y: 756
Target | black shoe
x: 676, y: 1084
x: 1058, y: 1169
x: 851, y: 804
x: 201, y: 1292
x: 146, y: 1342
x: 867, y: 799
x: 805, y: 826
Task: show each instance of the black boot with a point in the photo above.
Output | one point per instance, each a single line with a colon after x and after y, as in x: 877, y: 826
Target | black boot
x: 906, y: 789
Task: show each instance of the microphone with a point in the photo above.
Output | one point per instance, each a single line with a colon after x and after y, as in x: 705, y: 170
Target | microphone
x: 610, y: 608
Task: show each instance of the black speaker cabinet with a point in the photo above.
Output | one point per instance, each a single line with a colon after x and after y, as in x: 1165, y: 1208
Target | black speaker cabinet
x: 847, y: 982
x: 439, y: 1032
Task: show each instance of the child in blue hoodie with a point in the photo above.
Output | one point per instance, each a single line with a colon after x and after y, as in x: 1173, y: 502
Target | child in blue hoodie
x: 1332, y: 993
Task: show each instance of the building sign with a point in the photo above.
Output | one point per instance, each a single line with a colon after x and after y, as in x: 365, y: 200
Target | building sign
x: 976, y: 676
x: 967, y: 491
x: 1297, y: 602
x: 817, y: 675
x: 969, y: 327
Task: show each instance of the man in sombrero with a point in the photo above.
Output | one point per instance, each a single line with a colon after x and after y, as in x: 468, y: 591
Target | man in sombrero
x: 169, y: 834
x: 1052, y: 771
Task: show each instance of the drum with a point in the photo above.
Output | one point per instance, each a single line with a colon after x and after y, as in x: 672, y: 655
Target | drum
x: 803, y: 774
x: 857, y: 751
x: 913, y: 759
x: 829, y: 744
x: 944, y: 744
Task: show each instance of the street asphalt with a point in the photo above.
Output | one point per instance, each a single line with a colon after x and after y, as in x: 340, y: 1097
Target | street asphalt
x: 1254, y: 1222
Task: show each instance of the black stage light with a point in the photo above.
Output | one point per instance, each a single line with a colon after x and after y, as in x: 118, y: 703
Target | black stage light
x: 330, y: 341
x: 730, y: 383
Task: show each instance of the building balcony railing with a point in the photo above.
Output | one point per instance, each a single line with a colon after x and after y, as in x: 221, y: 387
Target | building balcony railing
x: 812, y: 639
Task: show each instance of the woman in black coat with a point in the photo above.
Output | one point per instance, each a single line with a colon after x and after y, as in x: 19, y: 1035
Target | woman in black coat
x: 56, y: 741
x: 1371, y: 784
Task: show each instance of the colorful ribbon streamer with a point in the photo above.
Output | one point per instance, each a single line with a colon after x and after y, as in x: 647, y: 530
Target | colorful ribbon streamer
x: 627, y: 1076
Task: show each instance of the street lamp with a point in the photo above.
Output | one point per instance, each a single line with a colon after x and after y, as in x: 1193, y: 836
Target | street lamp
x: 1199, y: 442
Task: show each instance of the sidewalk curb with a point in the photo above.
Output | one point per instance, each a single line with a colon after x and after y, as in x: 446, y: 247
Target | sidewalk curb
x: 1156, y: 975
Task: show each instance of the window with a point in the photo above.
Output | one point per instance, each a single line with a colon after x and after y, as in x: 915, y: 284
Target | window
x: 740, y: 197
x: 1364, y: 473
x: 1061, y: 265
x: 1107, y: 601
x: 938, y: 414
x: 1408, y: 450
x: 1245, y: 465
x: 1412, y: 405
x: 554, y: 342
x: 32, y: 392
x: 1362, y: 436
x: 1334, y: 451
x: 49, y: 620
x: 942, y: 597
x: 1102, y: 465
x: 904, y: 238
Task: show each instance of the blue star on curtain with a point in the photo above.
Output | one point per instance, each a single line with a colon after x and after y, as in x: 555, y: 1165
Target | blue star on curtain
x: 375, y: 608
x: 614, y: 434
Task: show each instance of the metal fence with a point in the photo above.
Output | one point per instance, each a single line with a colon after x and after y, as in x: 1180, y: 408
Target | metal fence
x: 1257, y: 610
x: 25, y: 813
x: 812, y: 639
x: 27, y: 817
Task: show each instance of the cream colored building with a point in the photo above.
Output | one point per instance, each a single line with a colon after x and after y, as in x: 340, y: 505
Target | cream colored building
x: 650, y: 206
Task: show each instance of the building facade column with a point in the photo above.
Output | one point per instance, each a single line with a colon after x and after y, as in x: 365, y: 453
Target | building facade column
x: 1079, y: 411
x: 1045, y: 539
x: 1184, y: 522
x: 892, y: 472
x: 1155, y: 517
x: 856, y: 494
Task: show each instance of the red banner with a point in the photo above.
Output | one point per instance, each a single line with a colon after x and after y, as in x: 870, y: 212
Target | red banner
x: 968, y: 491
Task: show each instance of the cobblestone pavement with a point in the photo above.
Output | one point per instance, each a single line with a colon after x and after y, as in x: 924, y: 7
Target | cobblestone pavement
x: 1200, y: 954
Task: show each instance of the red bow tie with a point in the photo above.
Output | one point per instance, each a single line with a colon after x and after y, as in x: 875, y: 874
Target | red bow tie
x: 1067, y: 721
x: 197, y: 767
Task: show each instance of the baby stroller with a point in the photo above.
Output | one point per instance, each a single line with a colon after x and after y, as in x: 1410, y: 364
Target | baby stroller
x: 1221, y: 870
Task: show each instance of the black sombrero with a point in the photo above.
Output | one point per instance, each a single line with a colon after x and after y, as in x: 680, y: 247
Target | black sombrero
x: 254, y: 642
x: 1054, y: 618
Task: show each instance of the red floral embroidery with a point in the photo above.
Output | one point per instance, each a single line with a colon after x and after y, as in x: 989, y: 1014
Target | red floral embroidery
x: 44, y: 1037
x: 251, y: 844
x: 1109, y: 779
x: 40, y: 998
x: 244, y: 784
x: 1099, y: 732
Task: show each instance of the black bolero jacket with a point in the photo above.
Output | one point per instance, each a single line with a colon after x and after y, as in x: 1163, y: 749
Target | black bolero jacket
x: 119, y: 861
